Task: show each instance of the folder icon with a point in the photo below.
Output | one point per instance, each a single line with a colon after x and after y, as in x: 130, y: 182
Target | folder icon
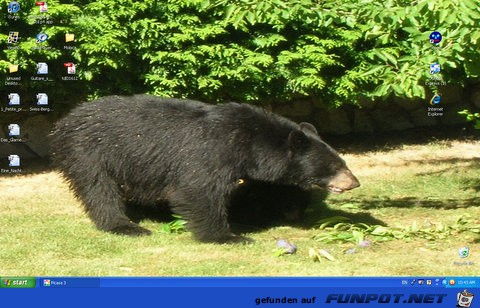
x: 13, y: 68
x: 69, y: 37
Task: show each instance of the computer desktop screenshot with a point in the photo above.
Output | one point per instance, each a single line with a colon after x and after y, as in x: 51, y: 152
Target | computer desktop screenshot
x: 240, y: 153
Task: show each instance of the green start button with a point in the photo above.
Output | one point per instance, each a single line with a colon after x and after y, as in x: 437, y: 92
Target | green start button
x: 18, y: 282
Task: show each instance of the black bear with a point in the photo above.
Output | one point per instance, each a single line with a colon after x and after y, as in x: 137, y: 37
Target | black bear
x: 262, y: 204
x: 146, y: 150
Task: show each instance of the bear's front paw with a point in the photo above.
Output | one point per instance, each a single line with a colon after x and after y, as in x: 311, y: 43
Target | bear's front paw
x: 239, y: 239
x: 131, y: 230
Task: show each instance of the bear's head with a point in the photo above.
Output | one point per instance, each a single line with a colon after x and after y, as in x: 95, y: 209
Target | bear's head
x: 313, y: 162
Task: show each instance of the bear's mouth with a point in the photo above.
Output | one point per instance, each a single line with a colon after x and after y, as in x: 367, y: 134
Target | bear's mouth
x: 334, y: 189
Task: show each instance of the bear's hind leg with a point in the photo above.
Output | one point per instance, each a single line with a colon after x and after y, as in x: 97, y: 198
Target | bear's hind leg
x: 206, y: 217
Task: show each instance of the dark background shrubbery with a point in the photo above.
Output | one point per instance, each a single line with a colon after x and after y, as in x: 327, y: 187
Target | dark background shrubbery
x: 252, y: 51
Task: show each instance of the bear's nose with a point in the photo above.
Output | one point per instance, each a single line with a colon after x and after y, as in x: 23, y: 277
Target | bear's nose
x: 344, y: 180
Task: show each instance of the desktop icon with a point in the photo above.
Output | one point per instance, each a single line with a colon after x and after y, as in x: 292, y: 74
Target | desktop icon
x: 13, y: 37
x: 13, y: 7
x: 69, y: 37
x: 13, y: 99
x: 41, y: 37
x: 14, y: 130
x: 42, y: 99
x: 463, y: 252
x: 434, y: 68
x: 435, y: 37
x: 464, y: 299
x: 14, y: 160
x: 12, y: 68
x: 42, y: 68
x: 435, y: 100
x: 70, y: 68
x: 42, y: 5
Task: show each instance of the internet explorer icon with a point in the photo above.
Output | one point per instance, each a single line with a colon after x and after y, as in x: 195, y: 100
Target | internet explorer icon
x: 436, y: 99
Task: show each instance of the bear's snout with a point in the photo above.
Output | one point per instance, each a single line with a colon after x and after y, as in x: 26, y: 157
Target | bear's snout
x: 343, y: 180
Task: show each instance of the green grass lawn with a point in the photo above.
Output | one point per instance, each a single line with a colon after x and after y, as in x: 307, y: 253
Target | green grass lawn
x: 419, y: 193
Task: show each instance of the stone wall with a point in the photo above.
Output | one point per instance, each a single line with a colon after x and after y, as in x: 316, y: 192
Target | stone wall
x: 33, y: 141
x: 393, y: 115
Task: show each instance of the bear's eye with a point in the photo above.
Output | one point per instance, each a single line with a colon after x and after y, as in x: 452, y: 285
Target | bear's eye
x: 335, y: 167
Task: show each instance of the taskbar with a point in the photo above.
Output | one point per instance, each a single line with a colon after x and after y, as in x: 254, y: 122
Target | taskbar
x: 242, y: 292
x: 158, y: 282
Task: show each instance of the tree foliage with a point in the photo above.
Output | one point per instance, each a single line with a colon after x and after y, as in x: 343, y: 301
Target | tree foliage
x: 472, y: 117
x: 259, y: 51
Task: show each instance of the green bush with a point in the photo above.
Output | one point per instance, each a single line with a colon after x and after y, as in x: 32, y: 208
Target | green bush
x: 472, y: 117
x: 27, y: 55
x: 256, y: 51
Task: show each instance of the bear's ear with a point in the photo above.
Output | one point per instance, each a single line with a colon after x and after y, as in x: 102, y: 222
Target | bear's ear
x: 305, y: 126
x: 298, y: 140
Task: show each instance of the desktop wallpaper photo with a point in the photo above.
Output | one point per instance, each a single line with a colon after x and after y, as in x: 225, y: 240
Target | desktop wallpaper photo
x: 240, y: 138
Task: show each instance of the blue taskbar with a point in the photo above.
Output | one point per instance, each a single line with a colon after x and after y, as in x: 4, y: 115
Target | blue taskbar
x: 239, y: 292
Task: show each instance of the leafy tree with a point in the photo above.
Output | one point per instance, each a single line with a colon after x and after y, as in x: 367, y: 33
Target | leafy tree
x: 259, y: 51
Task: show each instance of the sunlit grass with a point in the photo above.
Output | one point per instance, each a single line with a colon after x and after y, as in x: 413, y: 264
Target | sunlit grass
x: 45, y: 232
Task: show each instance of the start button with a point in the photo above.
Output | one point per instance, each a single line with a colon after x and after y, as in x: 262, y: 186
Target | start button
x: 18, y: 282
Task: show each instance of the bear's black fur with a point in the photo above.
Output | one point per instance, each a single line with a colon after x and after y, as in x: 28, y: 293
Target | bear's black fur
x: 146, y: 150
x: 261, y: 204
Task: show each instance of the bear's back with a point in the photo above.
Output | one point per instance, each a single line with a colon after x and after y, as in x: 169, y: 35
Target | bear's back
x: 176, y: 131
x: 151, y: 111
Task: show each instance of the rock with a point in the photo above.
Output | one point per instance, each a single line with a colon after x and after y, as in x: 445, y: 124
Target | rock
x: 301, y: 108
x: 288, y: 247
x: 451, y: 116
x: 318, y: 103
x: 475, y: 98
x: 451, y: 94
x: 284, y: 109
x: 35, y: 131
x: 366, y: 103
x: 420, y: 119
x: 361, y: 122
x: 407, y: 104
x: 14, y: 148
x: 391, y: 119
x: 333, y: 122
x: 365, y: 243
